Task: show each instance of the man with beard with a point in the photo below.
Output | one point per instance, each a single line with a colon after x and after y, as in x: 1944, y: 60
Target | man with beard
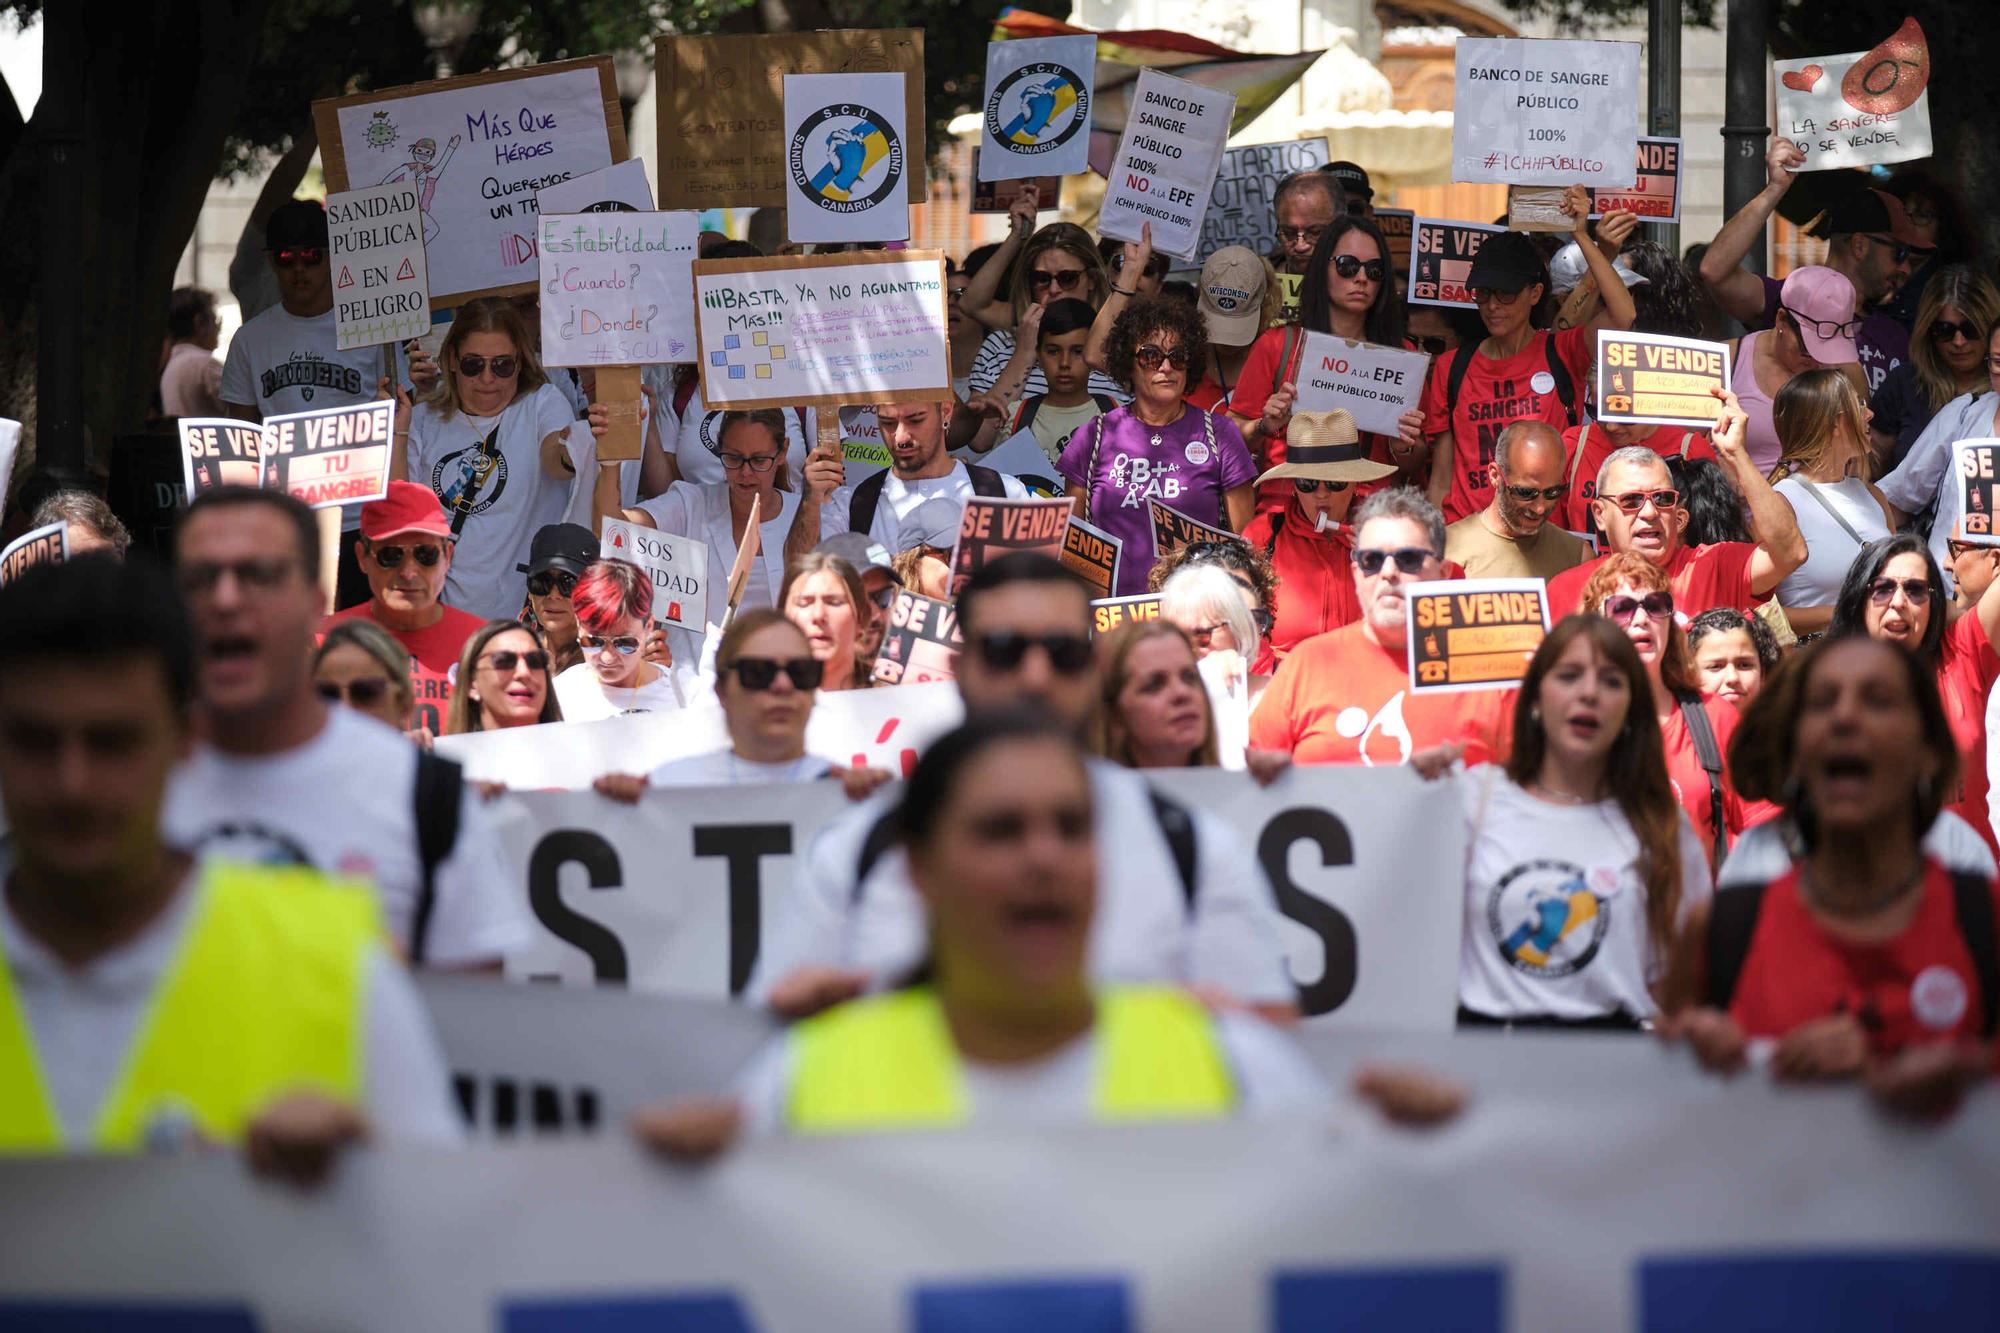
x: 919, y: 469
x: 1513, y: 537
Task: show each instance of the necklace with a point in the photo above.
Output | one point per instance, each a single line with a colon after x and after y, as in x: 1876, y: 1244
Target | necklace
x: 1542, y: 788
x: 1867, y: 907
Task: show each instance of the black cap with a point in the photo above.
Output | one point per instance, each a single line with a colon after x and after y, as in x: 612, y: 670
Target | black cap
x: 1351, y: 177
x: 296, y: 222
x: 1507, y: 262
x: 564, y: 546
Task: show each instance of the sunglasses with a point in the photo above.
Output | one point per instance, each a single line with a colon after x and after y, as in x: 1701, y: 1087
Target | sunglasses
x: 542, y: 584
x: 1494, y: 296
x: 1293, y: 235
x: 1149, y: 357
x: 503, y: 367
x: 1062, y: 282
x: 364, y: 693
x: 761, y: 673
x: 1156, y: 267
x: 1203, y: 635
x: 1633, y: 501
x: 302, y: 256
x: 1550, y: 493
x: 624, y: 645
x: 1622, y: 609
x: 260, y: 573
x: 1005, y: 650
x: 1262, y: 620
x: 391, y: 557
x: 758, y: 463
x: 1825, y: 328
x: 507, y: 659
x: 884, y: 597
x: 1899, y: 251
x: 1349, y: 265
x: 1310, y: 485
x: 1409, y: 559
x: 1436, y: 344
x: 1944, y: 331
x: 1883, y: 591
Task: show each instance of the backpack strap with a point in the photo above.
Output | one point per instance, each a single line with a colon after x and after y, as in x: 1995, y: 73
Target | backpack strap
x: 1029, y: 407
x: 439, y: 787
x: 881, y: 837
x: 1576, y: 460
x: 867, y: 498
x: 1732, y: 921
x: 1972, y: 895
x: 1687, y: 445
x: 1090, y: 468
x: 1177, y: 827
x: 986, y: 482
x: 1461, y: 362
x: 1565, y: 386
x: 1710, y: 755
x: 1105, y: 402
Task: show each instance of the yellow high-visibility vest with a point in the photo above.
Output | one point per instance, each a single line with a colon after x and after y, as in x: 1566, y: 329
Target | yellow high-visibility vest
x: 265, y: 995
x: 887, y: 1062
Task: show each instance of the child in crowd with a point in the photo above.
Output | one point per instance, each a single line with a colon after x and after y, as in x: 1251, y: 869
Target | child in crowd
x: 1054, y: 416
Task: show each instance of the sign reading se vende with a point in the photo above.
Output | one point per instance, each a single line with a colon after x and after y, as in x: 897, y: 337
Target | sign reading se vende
x: 1649, y: 378
x: 1474, y: 634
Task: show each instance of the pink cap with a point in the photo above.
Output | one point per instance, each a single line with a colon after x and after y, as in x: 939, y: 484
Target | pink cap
x: 1819, y: 299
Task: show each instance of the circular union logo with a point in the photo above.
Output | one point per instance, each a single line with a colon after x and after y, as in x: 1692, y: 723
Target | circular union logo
x: 1037, y: 108
x: 846, y: 158
x: 1545, y: 918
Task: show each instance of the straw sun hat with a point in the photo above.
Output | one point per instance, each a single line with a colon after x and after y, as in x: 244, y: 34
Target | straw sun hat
x: 1324, y: 446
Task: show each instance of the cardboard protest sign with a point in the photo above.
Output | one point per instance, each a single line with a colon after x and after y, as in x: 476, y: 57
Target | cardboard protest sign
x: 720, y: 144
x: 1657, y: 195
x: 616, y: 288
x: 677, y: 565
x: 1441, y: 260
x: 1537, y: 208
x: 861, y: 447
x: 747, y: 551
x: 1242, y: 205
x: 1398, y: 228
x: 1978, y: 466
x: 1289, y: 286
x: 1535, y: 111
x: 921, y: 643
x: 845, y: 158
x: 1167, y: 161
x: 619, y: 188
x: 332, y: 456
x: 822, y: 330
x: 476, y: 150
x: 1474, y: 634
x: 375, y: 250
x: 998, y: 196
x: 990, y: 528
x: 1037, y: 115
x: 1375, y: 384
x: 1860, y: 108
x: 46, y: 545
x: 1651, y: 378
x: 1091, y: 554
x: 1172, y: 530
x: 1108, y: 613
x: 220, y: 451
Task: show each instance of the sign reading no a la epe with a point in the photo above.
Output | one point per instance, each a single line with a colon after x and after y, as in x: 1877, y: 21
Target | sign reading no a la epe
x: 1474, y: 634
x: 1536, y: 111
x: 846, y: 156
x: 1376, y: 385
x: 1166, y: 165
x: 1036, y: 120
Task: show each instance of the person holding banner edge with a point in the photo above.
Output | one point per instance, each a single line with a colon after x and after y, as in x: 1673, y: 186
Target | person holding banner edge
x: 1154, y: 711
x: 613, y: 602
x: 506, y: 679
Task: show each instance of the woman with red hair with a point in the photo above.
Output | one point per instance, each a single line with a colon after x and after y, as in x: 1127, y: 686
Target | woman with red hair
x: 613, y: 602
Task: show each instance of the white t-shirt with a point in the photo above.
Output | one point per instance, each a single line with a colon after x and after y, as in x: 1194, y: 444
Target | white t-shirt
x: 1144, y: 931
x: 998, y: 349
x: 345, y: 803
x: 84, y: 1021
x: 900, y: 499
x: 496, y: 497
x: 697, y: 448
x: 584, y: 698
x: 724, y: 768
x: 1830, y: 551
x: 1555, y: 912
x: 1760, y: 854
x: 1272, y: 1077
x: 702, y: 512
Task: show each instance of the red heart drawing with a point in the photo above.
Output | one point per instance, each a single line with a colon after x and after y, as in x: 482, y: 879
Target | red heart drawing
x: 1802, y: 80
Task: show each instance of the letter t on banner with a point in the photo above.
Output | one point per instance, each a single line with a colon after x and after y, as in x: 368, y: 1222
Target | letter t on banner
x: 1165, y: 169
x: 1037, y: 115
x: 844, y: 158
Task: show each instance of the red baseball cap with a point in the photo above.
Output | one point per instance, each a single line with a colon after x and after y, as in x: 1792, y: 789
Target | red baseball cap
x: 407, y: 507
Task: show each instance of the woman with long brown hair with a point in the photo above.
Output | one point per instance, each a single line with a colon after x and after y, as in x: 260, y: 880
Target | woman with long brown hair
x: 1947, y: 358
x: 1154, y: 711
x: 1580, y: 862
x: 1823, y: 474
x: 503, y: 681
x: 1055, y: 263
x: 823, y: 595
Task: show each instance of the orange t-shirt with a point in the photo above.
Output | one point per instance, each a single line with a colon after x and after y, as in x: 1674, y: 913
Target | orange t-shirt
x: 1341, y: 698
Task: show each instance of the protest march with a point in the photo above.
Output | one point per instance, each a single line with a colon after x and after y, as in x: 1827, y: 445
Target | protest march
x: 668, y: 752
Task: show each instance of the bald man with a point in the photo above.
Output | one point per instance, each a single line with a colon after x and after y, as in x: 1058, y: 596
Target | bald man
x: 1514, y: 536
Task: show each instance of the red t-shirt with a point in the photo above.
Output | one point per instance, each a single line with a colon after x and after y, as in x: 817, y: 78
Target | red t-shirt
x: 1341, y: 698
x: 1494, y: 396
x: 1207, y: 395
x: 1315, y: 577
x: 1260, y: 379
x: 1917, y: 988
x: 1702, y: 577
x: 1967, y: 667
x: 1690, y: 779
x: 434, y: 654
x: 1589, y: 445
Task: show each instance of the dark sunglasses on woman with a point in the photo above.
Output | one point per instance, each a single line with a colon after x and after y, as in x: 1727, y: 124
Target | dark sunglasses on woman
x: 1005, y: 650
x: 1622, y: 609
x: 761, y: 673
x: 1062, y: 282
x: 1308, y: 485
x: 365, y: 693
x: 1883, y: 591
x: 1149, y: 357
x: 551, y: 581
x: 1349, y: 265
x: 503, y: 367
x: 391, y: 557
x: 1944, y: 331
x: 1436, y: 344
x: 506, y: 660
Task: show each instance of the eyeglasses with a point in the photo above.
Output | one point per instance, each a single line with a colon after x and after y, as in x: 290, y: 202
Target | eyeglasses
x: 761, y: 673
x: 1825, y: 328
x: 624, y: 645
x: 1156, y: 267
x: 1203, y: 635
x: 299, y: 256
x: 1436, y: 345
x: 364, y: 693
x: 1293, y: 235
x: 1623, y: 609
x: 259, y: 573
x: 1993, y: 363
x: 1349, y: 265
x: 1004, y: 650
x: 758, y: 463
x: 391, y: 557
x: 1955, y: 547
x: 1944, y: 331
x: 503, y: 367
x: 1409, y: 559
x: 551, y: 580
x: 1062, y: 282
x: 1900, y: 251
x: 1550, y: 493
x: 1633, y: 501
x: 884, y: 597
x: 1883, y: 591
x: 507, y: 659
x: 1309, y: 485
x: 1494, y: 296
x: 1149, y: 357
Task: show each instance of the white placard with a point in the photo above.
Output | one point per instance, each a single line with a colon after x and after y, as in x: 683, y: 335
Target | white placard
x: 1863, y: 107
x: 678, y: 566
x: 1037, y: 116
x: 844, y: 158
x: 619, y: 188
x: 1165, y: 170
x: 1242, y: 204
x: 616, y: 288
x: 1375, y: 384
x: 1021, y: 455
x: 375, y: 251
x: 1534, y: 111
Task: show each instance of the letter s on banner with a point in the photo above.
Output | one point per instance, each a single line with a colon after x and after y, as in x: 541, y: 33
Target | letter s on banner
x: 551, y: 854
x: 1336, y: 933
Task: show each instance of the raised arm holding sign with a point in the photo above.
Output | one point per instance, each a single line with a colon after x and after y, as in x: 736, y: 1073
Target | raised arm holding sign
x: 1166, y: 165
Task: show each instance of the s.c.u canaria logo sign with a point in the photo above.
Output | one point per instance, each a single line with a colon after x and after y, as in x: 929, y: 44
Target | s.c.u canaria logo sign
x: 846, y: 158
x: 1038, y: 108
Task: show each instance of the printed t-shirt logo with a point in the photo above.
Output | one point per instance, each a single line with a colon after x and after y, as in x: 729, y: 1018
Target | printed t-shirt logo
x: 469, y: 481
x: 250, y: 841
x: 1037, y: 108
x: 708, y: 431
x: 845, y: 158
x: 307, y: 372
x: 1143, y: 479
x: 1546, y: 918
